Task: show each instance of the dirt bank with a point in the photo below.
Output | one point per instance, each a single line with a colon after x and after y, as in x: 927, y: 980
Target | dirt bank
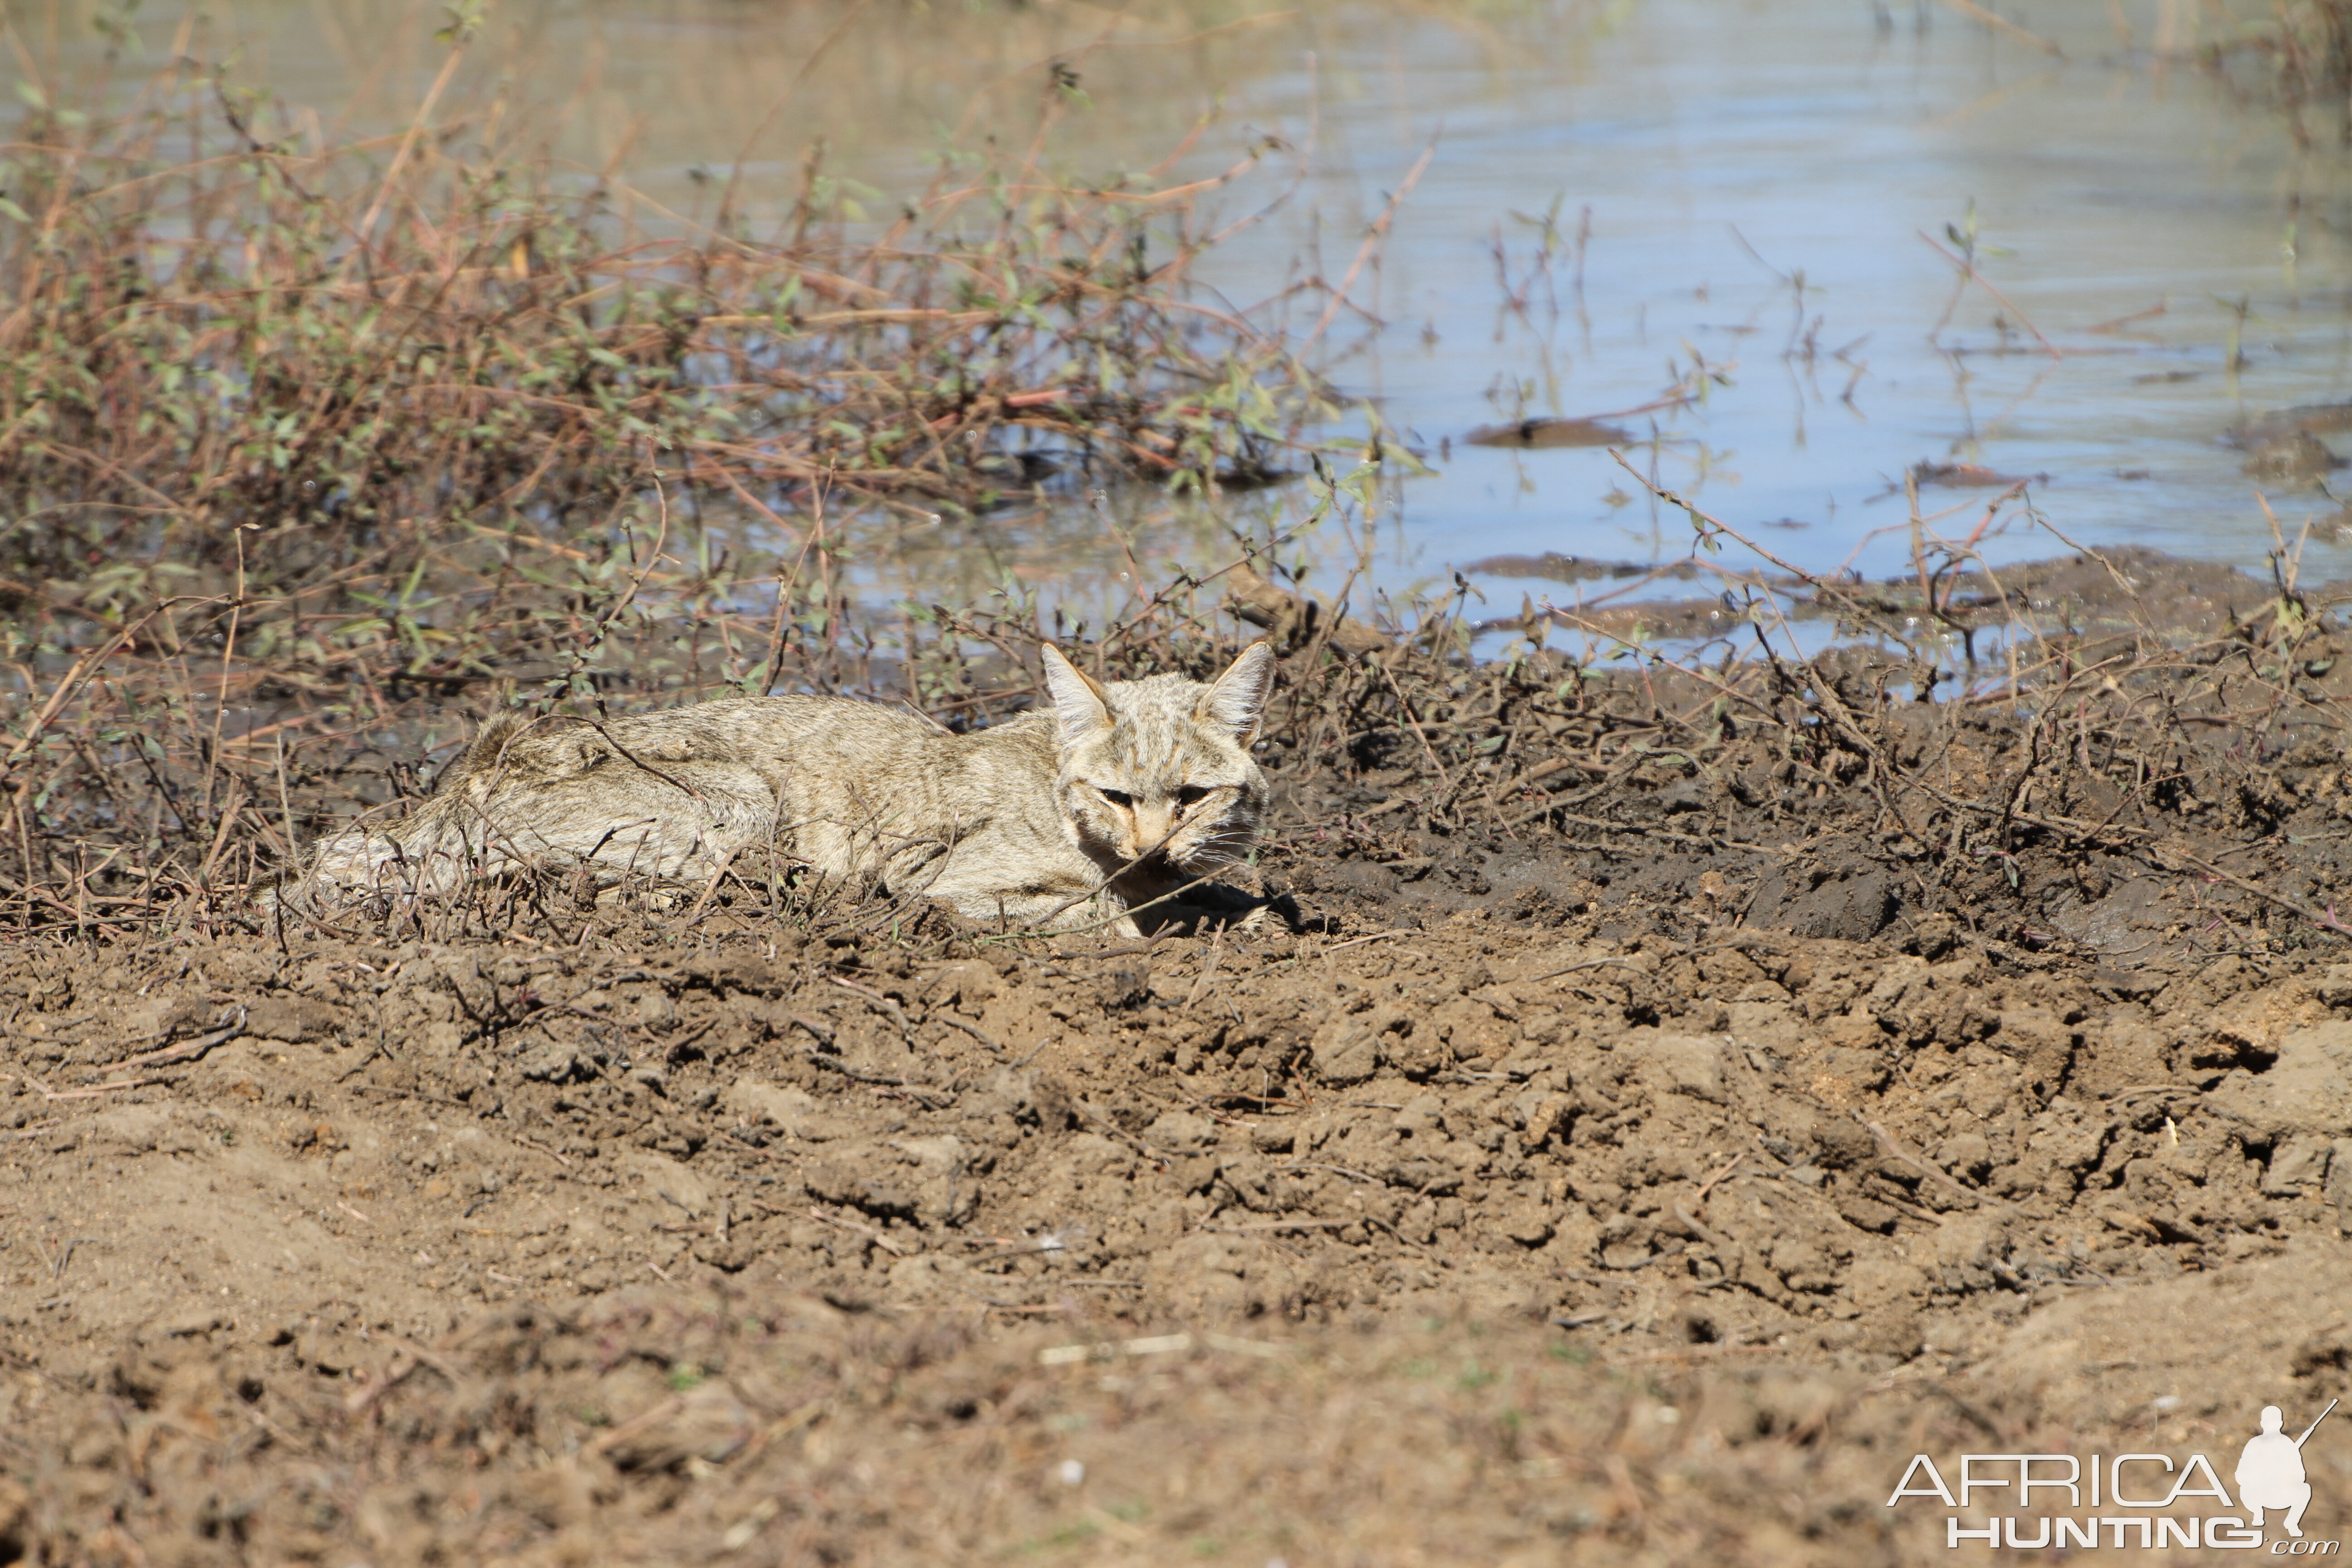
x: 1630, y: 1142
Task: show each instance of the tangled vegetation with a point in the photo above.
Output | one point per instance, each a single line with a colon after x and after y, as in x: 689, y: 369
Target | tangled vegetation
x: 302, y: 439
x: 366, y: 357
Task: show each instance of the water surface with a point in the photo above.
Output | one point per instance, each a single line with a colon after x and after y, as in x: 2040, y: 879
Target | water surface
x: 1739, y: 199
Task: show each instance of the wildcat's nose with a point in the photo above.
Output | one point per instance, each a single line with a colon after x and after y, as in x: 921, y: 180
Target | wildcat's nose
x: 1153, y: 827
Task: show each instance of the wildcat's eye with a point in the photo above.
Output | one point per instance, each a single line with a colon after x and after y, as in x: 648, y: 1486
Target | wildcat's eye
x: 1192, y: 794
x: 1117, y: 797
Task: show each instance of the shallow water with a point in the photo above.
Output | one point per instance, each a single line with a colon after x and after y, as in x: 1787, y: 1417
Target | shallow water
x: 2181, y: 267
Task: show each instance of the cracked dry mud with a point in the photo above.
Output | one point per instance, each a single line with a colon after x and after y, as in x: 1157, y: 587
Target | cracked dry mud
x: 1611, y: 1193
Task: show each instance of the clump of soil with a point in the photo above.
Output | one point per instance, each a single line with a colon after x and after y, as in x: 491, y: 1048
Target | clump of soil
x: 1628, y: 1142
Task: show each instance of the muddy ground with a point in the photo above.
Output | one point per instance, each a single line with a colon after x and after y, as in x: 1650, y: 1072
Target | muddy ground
x: 1641, y: 1170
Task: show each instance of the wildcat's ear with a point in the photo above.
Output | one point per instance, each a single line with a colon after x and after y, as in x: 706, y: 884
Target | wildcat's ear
x: 1238, y: 698
x: 1078, y: 702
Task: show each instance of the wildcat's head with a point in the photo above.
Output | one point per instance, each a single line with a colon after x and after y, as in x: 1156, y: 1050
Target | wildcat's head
x: 1158, y: 771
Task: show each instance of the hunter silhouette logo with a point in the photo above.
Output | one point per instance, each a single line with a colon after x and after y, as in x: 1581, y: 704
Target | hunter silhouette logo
x: 2142, y: 1492
x: 2270, y: 1472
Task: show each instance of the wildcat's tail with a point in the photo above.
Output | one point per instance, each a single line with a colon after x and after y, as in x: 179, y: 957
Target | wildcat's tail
x: 428, y: 852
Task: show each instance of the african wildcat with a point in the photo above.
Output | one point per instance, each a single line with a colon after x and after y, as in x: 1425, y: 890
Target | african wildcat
x: 1110, y: 798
